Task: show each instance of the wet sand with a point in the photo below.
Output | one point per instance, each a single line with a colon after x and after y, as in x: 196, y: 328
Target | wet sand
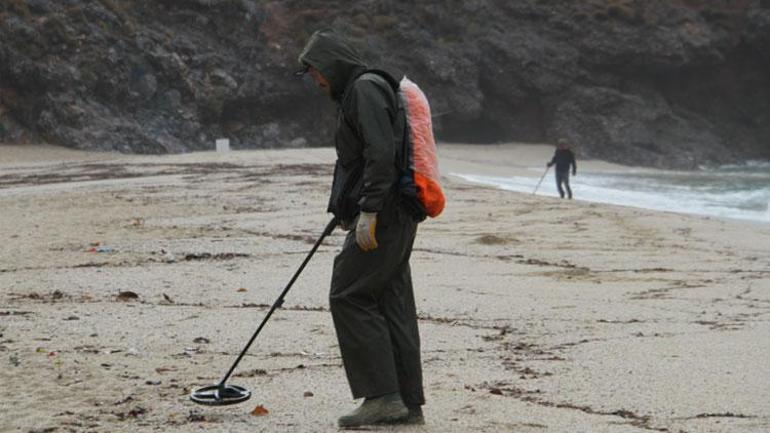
x: 536, y: 314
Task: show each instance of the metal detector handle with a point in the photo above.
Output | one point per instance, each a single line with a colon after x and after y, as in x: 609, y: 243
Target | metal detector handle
x: 327, y: 231
x: 329, y: 228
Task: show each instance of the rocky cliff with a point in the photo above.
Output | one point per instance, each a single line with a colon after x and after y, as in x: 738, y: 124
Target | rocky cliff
x: 668, y: 83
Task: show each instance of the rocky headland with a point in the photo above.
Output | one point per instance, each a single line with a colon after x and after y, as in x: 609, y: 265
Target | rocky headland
x: 675, y: 83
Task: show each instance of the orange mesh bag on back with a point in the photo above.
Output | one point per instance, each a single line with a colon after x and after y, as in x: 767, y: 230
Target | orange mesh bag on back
x: 423, y: 148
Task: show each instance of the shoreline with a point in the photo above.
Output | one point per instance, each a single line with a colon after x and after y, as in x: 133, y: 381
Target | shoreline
x: 497, y: 164
x: 494, y: 165
x: 514, y: 168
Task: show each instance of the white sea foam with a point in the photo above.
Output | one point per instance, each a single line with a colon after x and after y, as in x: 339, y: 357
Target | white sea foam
x: 738, y: 192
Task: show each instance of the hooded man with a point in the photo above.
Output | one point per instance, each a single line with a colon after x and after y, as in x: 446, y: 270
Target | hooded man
x: 563, y: 158
x: 371, y: 297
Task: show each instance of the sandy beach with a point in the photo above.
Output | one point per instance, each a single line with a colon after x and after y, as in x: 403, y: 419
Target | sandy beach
x: 127, y: 281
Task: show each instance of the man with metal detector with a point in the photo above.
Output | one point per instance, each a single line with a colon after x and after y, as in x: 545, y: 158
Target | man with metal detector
x: 563, y: 158
x: 371, y: 297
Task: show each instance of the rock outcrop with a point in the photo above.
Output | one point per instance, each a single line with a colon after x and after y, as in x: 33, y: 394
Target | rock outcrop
x: 667, y: 83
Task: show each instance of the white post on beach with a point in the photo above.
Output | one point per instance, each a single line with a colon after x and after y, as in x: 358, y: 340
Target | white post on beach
x: 223, y: 145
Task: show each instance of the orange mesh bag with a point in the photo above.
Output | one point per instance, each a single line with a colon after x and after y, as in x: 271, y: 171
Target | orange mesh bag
x: 423, y: 148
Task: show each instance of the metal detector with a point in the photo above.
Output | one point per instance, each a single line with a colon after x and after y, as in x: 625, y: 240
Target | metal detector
x: 223, y: 394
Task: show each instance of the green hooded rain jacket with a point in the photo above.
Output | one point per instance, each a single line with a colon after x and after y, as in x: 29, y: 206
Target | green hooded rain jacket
x: 369, y: 133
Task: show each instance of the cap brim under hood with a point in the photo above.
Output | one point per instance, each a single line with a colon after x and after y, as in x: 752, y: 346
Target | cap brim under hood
x: 334, y: 57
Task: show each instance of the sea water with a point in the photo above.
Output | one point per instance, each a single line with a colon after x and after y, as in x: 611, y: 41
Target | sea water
x: 734, y: 191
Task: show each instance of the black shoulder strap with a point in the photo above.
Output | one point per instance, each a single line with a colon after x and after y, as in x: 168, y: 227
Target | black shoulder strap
x: 402, y: 156
x: 394, y: 84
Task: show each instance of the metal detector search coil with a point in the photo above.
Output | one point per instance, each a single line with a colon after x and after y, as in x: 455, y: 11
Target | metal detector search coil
x: 220, y: 396
x: 223, y: 394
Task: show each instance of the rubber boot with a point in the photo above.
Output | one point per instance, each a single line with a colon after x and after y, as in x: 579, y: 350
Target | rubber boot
x: 385, y: 409
x: 415, y: 416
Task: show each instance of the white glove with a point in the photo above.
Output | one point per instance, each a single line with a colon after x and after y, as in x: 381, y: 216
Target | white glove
x: 365, y: 228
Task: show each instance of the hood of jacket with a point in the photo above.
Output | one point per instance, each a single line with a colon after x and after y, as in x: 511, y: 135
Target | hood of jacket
x: 335, y: 58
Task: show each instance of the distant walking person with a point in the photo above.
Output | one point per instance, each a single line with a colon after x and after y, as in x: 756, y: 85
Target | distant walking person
x: 563, y: 158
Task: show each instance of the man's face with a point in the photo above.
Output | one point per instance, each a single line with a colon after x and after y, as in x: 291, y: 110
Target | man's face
x: 320, y: 80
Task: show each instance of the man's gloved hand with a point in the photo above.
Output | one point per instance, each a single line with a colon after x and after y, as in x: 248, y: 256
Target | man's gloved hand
x: 365, y: 228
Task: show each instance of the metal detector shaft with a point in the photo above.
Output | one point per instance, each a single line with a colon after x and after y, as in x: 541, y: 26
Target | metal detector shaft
x: 329, y: 228
x: 541, y: 179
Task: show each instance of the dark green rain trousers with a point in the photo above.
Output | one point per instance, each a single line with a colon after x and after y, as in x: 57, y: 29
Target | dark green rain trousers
x: 372, y: 304
x: 371, y: 297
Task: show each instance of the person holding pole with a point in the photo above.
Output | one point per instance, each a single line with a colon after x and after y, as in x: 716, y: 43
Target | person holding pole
x: 563, y: 158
